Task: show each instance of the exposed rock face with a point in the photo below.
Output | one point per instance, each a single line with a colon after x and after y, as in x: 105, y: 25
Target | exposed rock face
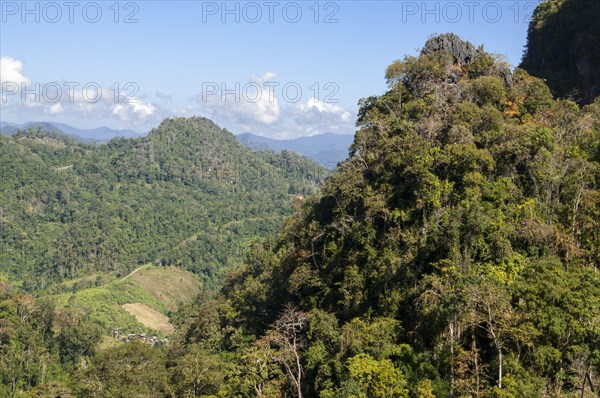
x: 463, y: 51
x: 507, y: 76
x: 563, y: 47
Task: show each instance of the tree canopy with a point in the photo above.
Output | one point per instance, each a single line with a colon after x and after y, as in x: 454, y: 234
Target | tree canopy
x: 188, y: 194
x: 455, y: 253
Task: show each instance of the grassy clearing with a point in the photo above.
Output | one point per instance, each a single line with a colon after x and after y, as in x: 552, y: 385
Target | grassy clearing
x: 171, y: 286
x: 153, y: 292
x: 149, y: 317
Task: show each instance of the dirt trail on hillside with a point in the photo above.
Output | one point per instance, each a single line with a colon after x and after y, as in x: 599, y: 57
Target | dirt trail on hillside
x: 134, y: 271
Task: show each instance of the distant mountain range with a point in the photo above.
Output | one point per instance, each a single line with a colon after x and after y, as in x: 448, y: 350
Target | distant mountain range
x: 326, y: 149
x: 99, y: 134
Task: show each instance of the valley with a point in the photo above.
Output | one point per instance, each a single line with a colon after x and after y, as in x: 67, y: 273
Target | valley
x: 449, y: 248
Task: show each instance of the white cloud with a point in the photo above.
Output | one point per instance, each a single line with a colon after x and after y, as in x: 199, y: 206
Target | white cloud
x: 249, y: 104
x: 266, y: 111
x: 143, y: 109
x: 324, y: 107
x: 59, y: 99
x: 135, y: 109
x: 267, y: 77
x: 11, y: 71
x: 56, y: 109
x: 271, y: 114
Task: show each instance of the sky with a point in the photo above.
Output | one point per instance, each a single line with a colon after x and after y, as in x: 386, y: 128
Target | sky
x: 281, y: 69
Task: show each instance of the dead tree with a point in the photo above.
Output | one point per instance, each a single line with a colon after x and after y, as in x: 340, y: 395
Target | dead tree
x: 286, y: 336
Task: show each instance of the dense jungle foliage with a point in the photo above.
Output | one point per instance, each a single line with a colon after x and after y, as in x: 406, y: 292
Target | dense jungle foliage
x: 455, y: 253
x: 188, y: 195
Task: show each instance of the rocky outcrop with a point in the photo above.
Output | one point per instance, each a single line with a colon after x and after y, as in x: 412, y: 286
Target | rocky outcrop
x: 462, y: 51
x: 563, y: 47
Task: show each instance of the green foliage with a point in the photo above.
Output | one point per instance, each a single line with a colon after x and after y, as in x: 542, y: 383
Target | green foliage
x: 466, y: 187
x: 103, y: 305
x: 53, y: 388
x: 488, y: 90
x: 77, y: 338
x: 482, y: 65
x: 39, y: 346
x: 377, y: 379
x: 197, y: 373
x: 455, y: 253
x: 188, y: 195
x: 129, y: 370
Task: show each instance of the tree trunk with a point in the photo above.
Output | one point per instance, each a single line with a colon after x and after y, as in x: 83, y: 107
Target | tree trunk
x: 587, y: 378
x: 299, y: 371
x: 499, y: 367
x: 499, y: 348
x: 451, y: 356
x: 476, y: 359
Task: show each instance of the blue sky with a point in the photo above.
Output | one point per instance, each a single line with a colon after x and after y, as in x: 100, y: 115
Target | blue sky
x: 175, y: 58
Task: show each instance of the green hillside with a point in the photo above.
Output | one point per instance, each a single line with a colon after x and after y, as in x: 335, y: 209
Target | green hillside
x: 106, y: 302
x: 187, y: 195
x: 454, y: 254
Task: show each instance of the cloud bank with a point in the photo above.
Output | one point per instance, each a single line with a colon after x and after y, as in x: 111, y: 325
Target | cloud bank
x: 260, y: 105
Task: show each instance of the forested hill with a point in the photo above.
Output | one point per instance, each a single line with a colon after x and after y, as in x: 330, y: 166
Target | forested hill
x: 563, y: 47
x: 455, y: 253
x: 188, y: 194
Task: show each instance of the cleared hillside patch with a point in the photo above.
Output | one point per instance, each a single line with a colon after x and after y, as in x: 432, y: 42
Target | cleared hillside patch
x: 150, y: 318
x: 159, y: 290
x: 103, y: 304
x: 170, y: 285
